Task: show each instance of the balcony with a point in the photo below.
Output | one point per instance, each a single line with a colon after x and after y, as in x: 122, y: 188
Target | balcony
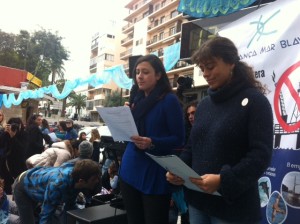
x: 157, y: 24
x: 126, y: 54
x: 139, y: 8
x: 160, y: 8
x: 126, y: 41
x: 127, y: 28
x: 163, y: 37
x: 94, y: 46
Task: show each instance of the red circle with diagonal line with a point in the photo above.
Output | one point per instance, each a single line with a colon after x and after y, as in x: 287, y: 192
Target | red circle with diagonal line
x: 284, y: 79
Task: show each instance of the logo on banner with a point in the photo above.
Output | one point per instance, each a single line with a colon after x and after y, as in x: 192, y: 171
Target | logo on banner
x: 260, y: 27
x: 284, y: 79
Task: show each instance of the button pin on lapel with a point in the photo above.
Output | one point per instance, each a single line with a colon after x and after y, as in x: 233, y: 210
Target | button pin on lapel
x: 245, y: 102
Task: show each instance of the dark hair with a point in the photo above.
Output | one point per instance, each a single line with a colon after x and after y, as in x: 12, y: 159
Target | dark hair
x: 85, y: 169
x: 187, y: 106
x: 45, y: 124
x: 224, y: 48
x: 80, y: 136
x: 18, y: 122
x: 31, y: 120
x: 158, y: 67
x: 63, y: 125
x: 113, y: 169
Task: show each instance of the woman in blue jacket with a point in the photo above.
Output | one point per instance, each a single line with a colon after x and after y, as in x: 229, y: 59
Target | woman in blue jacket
x: 159, y: 120
x: 231, y: 141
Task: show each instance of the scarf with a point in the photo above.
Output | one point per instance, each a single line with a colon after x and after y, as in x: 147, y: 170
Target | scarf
x: 142, y: 105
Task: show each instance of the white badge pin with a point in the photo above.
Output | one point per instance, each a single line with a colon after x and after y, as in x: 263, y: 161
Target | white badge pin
x: 245, y: 102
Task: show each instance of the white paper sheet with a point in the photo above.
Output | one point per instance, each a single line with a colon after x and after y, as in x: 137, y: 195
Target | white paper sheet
x: 119, y: 121
x: 176, y: 166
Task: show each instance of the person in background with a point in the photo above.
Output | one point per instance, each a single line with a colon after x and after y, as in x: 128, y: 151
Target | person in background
x: 159, y: 120
x: 71, y: 132
x: 4, y: 204
x: 85, y: 151
x: 36, y: 140
x: 2, y: 121
x: 96, y: 141
x: 45, y: 127
x: 56, y: 155
x: 14, y: 142
x: 52, y: 186
x: 190, y: 111
x: 82, y: 137
x: 62, y: 130
x: 113, y: 178
x: 178, y: 203
x: 231, y: 140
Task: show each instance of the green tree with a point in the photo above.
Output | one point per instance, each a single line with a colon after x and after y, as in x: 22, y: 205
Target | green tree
x: 114, y: 99
x: 40, y: 53
x: 78, y: 101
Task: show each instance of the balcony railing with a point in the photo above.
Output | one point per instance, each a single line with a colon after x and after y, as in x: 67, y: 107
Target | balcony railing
x: 163, y: 36
x: 128, y: 52
x: 158, y: 22
x: 127, y: 39
x: 160, y: 6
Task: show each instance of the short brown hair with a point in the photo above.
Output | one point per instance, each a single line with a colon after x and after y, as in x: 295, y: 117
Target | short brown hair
x: 85, y: 169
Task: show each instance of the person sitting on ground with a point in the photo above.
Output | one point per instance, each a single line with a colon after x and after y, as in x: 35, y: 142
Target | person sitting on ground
x: 59, y: 153
x: 53, y: 186
x: 114, y: 178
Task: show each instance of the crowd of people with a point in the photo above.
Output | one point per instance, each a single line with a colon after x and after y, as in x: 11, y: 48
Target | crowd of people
x: 226, y: 138
x: 30, y: 156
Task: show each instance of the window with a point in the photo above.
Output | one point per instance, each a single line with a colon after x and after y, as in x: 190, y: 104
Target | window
x: 156, y: 7
x: 110, y: 36
x: 162, y: 19
x: 145, y: 14
x: 161, y: 36
x: 163, y: 3
x: 109, y: 57
x: 174, y: 13
x: 172, y: 31
x: 154, y: 38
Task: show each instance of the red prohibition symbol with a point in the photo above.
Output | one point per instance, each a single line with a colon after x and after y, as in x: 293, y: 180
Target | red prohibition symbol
x: 284, y: 79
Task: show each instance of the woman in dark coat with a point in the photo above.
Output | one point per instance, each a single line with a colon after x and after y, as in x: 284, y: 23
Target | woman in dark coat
x: 36, y: 143
x: 13, y: 141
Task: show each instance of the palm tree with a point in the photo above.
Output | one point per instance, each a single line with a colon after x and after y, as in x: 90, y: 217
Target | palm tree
x: 78, y: 101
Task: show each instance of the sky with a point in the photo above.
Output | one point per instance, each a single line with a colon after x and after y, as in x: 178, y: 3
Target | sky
x: 76, y: 21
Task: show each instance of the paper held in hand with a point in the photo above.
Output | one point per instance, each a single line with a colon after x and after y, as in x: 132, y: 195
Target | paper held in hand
x: 119, y: 121
x: 176, y: 166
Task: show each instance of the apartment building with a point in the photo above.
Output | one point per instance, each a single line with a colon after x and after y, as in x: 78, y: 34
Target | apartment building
x: 153, y: 25
x: 105, y: 53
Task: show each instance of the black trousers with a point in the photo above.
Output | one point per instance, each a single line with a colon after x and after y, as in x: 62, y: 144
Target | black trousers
x: 145, y: 209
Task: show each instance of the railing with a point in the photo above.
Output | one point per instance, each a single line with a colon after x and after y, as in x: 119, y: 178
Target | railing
x: 159, y: 6
x: 126, y: 39
x: 157, y: 22
x: 128, y: 52
x: 163, y: 36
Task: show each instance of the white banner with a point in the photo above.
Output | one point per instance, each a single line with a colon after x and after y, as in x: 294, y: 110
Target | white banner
x: 269, y: 40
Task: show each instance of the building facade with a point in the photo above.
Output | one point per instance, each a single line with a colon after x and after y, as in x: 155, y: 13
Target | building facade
x: 105, y: 53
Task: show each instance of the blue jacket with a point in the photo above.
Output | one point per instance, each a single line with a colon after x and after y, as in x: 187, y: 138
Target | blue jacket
x: 165, y: 126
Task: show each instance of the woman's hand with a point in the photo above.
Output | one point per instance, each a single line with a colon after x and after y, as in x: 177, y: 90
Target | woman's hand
x: 173, y: 179
x: 209, y: 183
x: 141, y: 142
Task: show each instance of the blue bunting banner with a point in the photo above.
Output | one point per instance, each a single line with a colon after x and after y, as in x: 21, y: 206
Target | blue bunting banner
x: 117, y: 74
x: 171, y: 56
x: 211, y: 8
